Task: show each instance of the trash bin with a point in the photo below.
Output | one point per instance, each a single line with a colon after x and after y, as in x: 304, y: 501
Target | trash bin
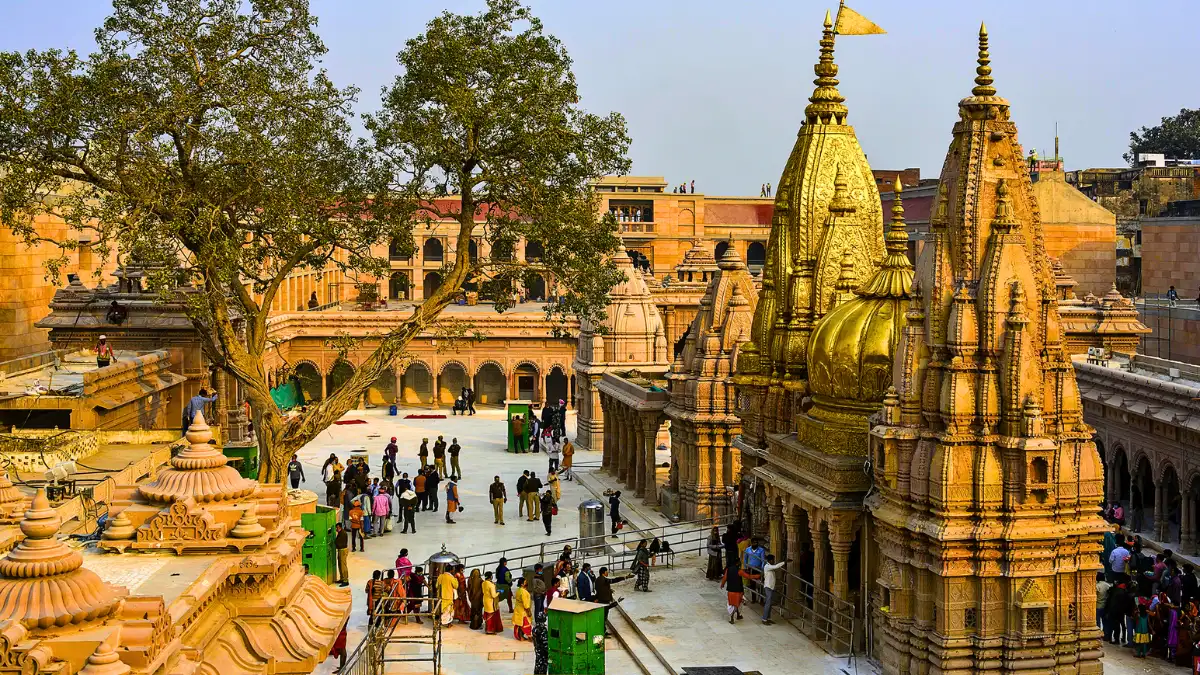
x: 392, y: 410
x: 576, y: 637
x: 591, y: 527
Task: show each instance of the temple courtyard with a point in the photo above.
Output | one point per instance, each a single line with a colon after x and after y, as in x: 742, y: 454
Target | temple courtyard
x: 684, y: 617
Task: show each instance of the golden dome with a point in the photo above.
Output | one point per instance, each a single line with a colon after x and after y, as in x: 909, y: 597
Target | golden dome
x: 43, y: 584
x: 853, y: 346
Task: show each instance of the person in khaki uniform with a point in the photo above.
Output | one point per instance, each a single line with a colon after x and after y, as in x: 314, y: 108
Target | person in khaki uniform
x: 532, y: 504
x: 498, y: 495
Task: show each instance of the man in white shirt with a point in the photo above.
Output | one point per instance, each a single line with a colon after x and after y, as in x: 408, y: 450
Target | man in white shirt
x: 770, y: 579
x: 1118, y: 560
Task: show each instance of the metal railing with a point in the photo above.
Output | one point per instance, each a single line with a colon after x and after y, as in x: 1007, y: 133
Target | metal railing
x: 686, y: 537
x: 372, y: 655
x: 829, y: 621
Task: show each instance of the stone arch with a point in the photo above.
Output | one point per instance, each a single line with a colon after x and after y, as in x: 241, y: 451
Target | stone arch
x: 490, y: 384
x: 382, y: 391
x: 1119, y: 463
x: 433, y: 250
x: 756, y: 255
x: 556, y: 385
x: 399, y: 286
x: 452, y: 362
x: 719, y: 251
x: 339, y: 373
x: 416, y: 383
x: 452, y: 377
x: 1166, y: 523
x: 1164, y: 465
x: 686, y: 223
x: 431, y: 282
x: 308, y: 377
x: 525, y: 381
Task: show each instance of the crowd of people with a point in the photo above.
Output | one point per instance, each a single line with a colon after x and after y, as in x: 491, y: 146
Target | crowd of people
x: 1147, y: 602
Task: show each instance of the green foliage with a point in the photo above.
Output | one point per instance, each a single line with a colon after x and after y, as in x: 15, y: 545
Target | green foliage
x: 484, y: 122
x: 202, y: 140
x: 1177, y: 137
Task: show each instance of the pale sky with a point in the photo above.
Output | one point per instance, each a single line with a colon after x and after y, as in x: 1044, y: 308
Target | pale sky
x: 714, y: 90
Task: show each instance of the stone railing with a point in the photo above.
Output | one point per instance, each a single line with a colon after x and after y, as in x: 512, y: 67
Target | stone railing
x: 36, y: 450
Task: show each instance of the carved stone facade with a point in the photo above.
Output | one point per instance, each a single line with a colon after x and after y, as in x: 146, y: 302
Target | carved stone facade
x: 1146, y: 412
x: 988, y: 482
x: 631, y: 337
x: 703, y: 404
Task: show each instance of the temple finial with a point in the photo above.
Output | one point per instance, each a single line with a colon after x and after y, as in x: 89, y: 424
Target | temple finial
x: 983, y: 77
x: 841, y: 202
x: 1004, y: 220
x: 825, y: 104
x: 896, y: 237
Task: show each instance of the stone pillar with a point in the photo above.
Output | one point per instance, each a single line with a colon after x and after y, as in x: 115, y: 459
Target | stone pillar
x: 1160, y: 512
x: 793, y: 589
x: 606, y: 441
x: 775, y: 527
x: 398, y: 389
x: 628, y: 448
x: 841, y: 565
x: 637, y: 459
x: 1186, y: 539
x: 650, y: 439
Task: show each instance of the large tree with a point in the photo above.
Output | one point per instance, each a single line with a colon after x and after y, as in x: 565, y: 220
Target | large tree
x: 1176, y: 137
x: 202, y: 138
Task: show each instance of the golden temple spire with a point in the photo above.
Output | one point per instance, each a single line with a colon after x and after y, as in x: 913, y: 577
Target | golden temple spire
x: 826, y: 103
x: 894, y: 279
x: 983, y: 78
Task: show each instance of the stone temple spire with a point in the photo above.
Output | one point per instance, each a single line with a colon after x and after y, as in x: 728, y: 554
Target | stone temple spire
x: 987, y: 500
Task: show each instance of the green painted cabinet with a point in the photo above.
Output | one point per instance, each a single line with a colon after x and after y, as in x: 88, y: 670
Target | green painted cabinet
x: 524, y: 409
x: 318, y: 551
x: 244, y: 458
x: 576, y: 639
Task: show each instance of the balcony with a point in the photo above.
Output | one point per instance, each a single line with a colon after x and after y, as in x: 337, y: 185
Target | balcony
x: 627, y: 228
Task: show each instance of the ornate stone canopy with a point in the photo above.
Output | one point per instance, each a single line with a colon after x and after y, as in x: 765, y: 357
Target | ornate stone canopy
x: 200, y: 472
x: 43, y: 584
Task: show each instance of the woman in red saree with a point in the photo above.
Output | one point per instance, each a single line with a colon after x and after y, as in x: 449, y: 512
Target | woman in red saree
x: 462, y: 605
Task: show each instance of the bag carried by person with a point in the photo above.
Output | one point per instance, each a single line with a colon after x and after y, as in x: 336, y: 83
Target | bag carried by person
x: 387, y: 525
x: 554, y: 511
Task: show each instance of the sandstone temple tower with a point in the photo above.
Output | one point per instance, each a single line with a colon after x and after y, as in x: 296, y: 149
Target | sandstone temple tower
x: 987, y: 480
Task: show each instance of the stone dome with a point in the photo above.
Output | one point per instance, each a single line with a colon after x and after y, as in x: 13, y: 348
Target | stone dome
x: 43, y: 584
x: 632, y: 331
x: 199, y: 472
x: 853, y: 347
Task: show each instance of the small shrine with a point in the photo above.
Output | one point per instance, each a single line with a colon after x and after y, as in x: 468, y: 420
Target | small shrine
x: 197, y: 504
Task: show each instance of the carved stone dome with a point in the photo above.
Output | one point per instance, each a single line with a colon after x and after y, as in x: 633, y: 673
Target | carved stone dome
x: 199, y: 472
x: 632, y: 332
x: 43, y: 584
x: 853, y: 347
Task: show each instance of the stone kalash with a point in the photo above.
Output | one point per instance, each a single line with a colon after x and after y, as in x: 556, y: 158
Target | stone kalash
x: 252, y: 608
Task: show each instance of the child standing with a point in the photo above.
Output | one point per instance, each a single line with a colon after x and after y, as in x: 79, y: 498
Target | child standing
x: 1141, y: 633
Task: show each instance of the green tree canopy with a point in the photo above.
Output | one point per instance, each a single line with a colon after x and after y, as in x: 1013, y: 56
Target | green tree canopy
x: 1177, y: 137
x: 203, y: 139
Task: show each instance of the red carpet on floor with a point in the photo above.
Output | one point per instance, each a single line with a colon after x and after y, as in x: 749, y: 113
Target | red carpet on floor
x: 350, y: 422
x: 424, y: 417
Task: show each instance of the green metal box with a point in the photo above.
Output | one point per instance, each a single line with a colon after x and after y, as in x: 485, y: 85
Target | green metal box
x: 318, y: 551
x: 244, y: 458
x: 576, y: 639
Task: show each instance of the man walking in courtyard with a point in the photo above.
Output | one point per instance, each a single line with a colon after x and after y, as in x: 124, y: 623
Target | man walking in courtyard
x: 408, y: 510
x: 454, y: 449
x: 419, y: 488
x: 295, y: 472
x: 614, y: 509
x: 499, y: 496
x: 389, y: 455
x: 423, y: 453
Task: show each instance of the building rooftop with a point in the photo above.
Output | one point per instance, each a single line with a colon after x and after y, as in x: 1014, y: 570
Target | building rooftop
x: 61, y: 378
